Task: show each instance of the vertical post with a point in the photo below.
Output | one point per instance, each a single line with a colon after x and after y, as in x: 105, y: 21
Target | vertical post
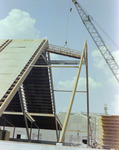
x: 95, y: 128
x: 53, y: 101
x: 31, y: 130
x: 4, y: 124
x: 90, y: 134
x: 72, y: 96
x: 38, y: 133
x: 88, y: 121
x: 59, y: 131
x: 13, y: 132
x: 27, y: 129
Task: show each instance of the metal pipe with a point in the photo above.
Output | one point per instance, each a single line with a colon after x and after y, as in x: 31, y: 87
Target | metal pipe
x: 68, y: 91
x: 31, y: 130
x: 13, y: 132
x: 40, y: 66
x: 4, y: 124
x: 38, y: 134
x: 8, y: 121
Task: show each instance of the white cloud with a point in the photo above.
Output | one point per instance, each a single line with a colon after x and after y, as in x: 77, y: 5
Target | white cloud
x: 113, y: 81
x: 115, y: 105
x: 99, y: 61
x: 64, y: 109
x: 69, y: 84
x: 18, y: 25
x: 94, y: 84
x: 116, y: 56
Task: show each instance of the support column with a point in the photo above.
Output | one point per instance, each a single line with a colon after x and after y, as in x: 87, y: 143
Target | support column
x: 24, y: 113
x: 59, y: 131
x: 31, y: 130
x: 27, y: 129
x: 13, y: 132
x: 5, y: 120
x: 38, y: 134
x: 53, y: 100
x: 87, y: 86
x: 72, y: 96
x: 4, y: 124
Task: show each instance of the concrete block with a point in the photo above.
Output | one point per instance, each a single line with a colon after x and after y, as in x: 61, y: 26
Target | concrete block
x: 58, y: 144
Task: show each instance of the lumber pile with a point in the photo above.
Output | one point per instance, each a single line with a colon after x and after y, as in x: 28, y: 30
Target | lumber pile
x: 108, y: 132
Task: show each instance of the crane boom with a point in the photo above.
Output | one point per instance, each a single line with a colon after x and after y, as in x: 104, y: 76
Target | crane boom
x: 113, y: 65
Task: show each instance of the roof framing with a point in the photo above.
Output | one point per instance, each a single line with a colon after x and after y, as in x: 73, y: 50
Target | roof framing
x: 26, y: 83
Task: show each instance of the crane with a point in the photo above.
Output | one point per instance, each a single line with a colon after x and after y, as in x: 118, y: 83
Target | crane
x: 87, y: 21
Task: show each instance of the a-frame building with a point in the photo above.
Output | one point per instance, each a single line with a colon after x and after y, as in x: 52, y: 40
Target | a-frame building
x: 26, y: 86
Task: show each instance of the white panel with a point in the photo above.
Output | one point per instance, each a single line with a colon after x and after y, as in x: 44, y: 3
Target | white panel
x: 13, y: 59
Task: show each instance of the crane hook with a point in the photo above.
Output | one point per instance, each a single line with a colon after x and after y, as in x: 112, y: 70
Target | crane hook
x: 66, y: 43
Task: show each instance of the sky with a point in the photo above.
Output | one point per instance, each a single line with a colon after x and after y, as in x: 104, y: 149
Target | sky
x: 52, y: 19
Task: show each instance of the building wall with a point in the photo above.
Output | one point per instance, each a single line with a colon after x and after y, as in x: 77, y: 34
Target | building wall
x: 75, y: 134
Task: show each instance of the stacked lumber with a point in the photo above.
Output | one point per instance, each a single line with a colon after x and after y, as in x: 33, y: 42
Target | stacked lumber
x: 108, y: 132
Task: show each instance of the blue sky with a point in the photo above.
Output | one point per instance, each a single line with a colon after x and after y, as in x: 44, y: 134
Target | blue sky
x: 49, y: 19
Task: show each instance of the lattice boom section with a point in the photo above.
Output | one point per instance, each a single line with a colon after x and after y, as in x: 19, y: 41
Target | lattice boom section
x: 108, y: 132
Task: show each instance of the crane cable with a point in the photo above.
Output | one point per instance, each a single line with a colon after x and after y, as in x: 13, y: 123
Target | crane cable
x: 67, y: 23
x: 106, y: 34
x: 91, y: 64
x: 96, y: 83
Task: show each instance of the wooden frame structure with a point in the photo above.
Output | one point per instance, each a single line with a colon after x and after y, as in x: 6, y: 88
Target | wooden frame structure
x: 84, y: 58
x: 28, y: 92
x: 26, y: 95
